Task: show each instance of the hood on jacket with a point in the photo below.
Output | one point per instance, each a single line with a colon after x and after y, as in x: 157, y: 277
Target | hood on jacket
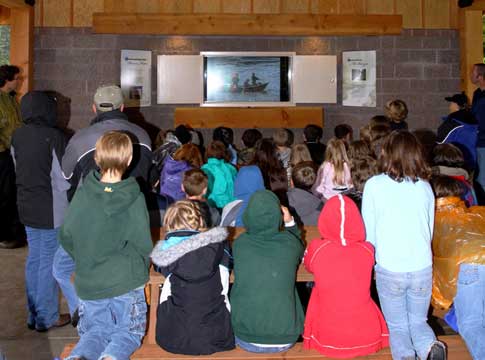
x: 172, y: 166
x: 263, y: 213
x: 116, y: 197
x: 248, y: 180
x: 168, y: 256
x: 340, y: 221
x: 39, y: 108
x: 463, y: 116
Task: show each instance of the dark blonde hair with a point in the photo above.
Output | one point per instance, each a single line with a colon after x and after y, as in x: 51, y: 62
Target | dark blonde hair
x: 445, y: 186
x: 184, y: 215
x: 114, y: 151
x: 396, y: 110
x: 304, y: 175
x: 378, y: 120
x: 364, y: 134
x: 194, y: 182
x: 217, y: 149
x: 359, y: 149
x: 299, y: 153
x: 403, y: 158
x: 336, y: 155
x: 363, y: 169
x: 189, y: 153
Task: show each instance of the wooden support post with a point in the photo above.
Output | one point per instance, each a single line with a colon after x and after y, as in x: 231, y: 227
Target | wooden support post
x: 22, y: 44
x: 471, y: 45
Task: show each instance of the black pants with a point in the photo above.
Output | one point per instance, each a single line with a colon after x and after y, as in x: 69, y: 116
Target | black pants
x: 10, y: 226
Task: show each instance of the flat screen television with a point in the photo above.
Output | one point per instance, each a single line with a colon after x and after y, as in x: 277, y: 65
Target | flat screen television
x: 247, y: 79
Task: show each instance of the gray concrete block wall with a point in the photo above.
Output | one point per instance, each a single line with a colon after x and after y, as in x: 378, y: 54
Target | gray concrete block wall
x: 420, y: 67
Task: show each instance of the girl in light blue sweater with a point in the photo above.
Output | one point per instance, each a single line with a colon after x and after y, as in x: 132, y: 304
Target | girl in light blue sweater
x: 398, y: 212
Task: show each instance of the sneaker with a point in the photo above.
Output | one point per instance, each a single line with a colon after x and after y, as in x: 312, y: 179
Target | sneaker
x: 437, y: 352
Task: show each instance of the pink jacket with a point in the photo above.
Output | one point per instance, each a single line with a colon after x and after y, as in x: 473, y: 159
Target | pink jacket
x: 324, y: 185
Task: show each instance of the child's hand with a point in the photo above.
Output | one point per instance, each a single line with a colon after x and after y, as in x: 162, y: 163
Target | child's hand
x: 286, y: 214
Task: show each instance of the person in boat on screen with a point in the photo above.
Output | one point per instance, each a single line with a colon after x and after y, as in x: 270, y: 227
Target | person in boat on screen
x: 254, y: 79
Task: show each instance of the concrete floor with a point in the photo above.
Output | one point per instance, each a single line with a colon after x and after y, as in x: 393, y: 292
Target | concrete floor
x: 16, y: 340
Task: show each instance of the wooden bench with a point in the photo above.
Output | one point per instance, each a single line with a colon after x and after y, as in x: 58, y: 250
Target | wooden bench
x: 456, y: 351
x: 157, y: 279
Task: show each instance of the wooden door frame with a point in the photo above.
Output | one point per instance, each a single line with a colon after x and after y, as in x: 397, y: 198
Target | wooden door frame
x: 21, y: 22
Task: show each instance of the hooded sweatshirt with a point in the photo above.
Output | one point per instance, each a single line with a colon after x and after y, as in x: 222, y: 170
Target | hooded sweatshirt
x: 107, y: 234
x: 37, y: 150
x: 265, y: 305
x: 193, y: 316
x: 306, y: 206
x: 248, y: 180
x: 342, y: 320
x: 220, y: 186
x: 171, y: 178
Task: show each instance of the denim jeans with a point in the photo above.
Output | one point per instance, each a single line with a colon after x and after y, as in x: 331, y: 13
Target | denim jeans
x: 261, y: 349
x: 111, y: 327
x: 469, y: 307
x: 62, y: 270
x: 41, y: 287
x: 405, y: 299
x: 481, y: 166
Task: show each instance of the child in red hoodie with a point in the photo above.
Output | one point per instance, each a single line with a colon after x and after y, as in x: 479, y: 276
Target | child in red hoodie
x: 342, y: 320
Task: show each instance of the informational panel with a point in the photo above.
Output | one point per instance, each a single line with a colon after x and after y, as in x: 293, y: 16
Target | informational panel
x: 315, y: 79
x: 179, y: 79
x: 359, y: 78
x: 136, y: 68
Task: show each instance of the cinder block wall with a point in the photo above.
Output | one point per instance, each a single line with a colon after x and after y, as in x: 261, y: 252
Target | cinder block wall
x: 420, y: 67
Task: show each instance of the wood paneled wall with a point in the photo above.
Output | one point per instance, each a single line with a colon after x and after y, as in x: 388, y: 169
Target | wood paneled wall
x: 429, y: 14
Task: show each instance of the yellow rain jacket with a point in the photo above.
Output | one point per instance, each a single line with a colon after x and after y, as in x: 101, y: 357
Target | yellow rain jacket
x: 459, y: 237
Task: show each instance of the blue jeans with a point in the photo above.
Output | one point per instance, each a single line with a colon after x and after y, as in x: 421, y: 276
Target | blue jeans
x: 261, y: 349
x: 62, y: 270
x: 41, y: 287
x: 469, y: 308
x: 481, y: 166
x: 111, y: 327
x: 405, y: 299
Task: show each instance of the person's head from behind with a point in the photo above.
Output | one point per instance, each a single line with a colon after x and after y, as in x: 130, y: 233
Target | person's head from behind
x: 9, y: 78
x: 303, y: 175
x: 378, y: 135
x: 446, y: 186
x: 477, y: 75
x: 266, y: 158
x: 194, y: 183
x: 281, y: 138
x: 457, y: 102
x: 183, y: 134
x: 378, y: 120
x: 263, y: 213
x: 448, y: 155
x: 344, y: 132
x: 362, y: 169
x: 312, y: 133
x: 299, y: 153
x: 402, y: 158
x: 396, y: 110
x: 364, y: 134
x: 184, y: 215
x: 114, y: 151
x: 359, y: 149
x: 189, y: 153
x: 336, y: 154
x: 217, y: 150
x: 223, y: 134
x: 108, y: 98
x: 250, y: 137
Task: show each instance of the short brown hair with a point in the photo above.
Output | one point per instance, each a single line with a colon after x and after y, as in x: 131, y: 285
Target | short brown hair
x: 378, y: 120
x: 359, y: 149
x: 396, y: 110
x: 189, y: 153
x: 184, y: 215
x: 362, y: 169
x: 448, y: 155
x: 218, y: 150
x: 403, y: 158
x: 194, y: 182
x: 444, y: 186
x: 114, y: 151
x: 304, y: 175
x: 281, y: 137
x: 364, y: 134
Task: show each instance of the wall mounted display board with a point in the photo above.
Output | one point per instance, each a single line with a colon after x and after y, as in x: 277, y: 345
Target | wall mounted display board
x: 179, y: 79
x: 136, y: 70
x: 359, y: 78
x: 315, y: 79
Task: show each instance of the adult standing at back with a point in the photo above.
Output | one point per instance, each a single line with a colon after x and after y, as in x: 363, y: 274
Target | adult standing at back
x: 78, y: 161
x: 478, y: 109
x: 11, y: 234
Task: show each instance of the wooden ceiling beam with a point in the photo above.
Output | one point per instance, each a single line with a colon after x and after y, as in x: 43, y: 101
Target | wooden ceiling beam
x: 246, y: 24
x: 15, y: 4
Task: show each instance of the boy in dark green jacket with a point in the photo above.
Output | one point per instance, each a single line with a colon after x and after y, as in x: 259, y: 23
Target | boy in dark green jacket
x: 106, y: 232
x: 267, y: 315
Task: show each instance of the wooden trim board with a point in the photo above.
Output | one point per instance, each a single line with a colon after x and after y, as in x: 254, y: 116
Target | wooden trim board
x: 212, y: 117
x: 246, y: 24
